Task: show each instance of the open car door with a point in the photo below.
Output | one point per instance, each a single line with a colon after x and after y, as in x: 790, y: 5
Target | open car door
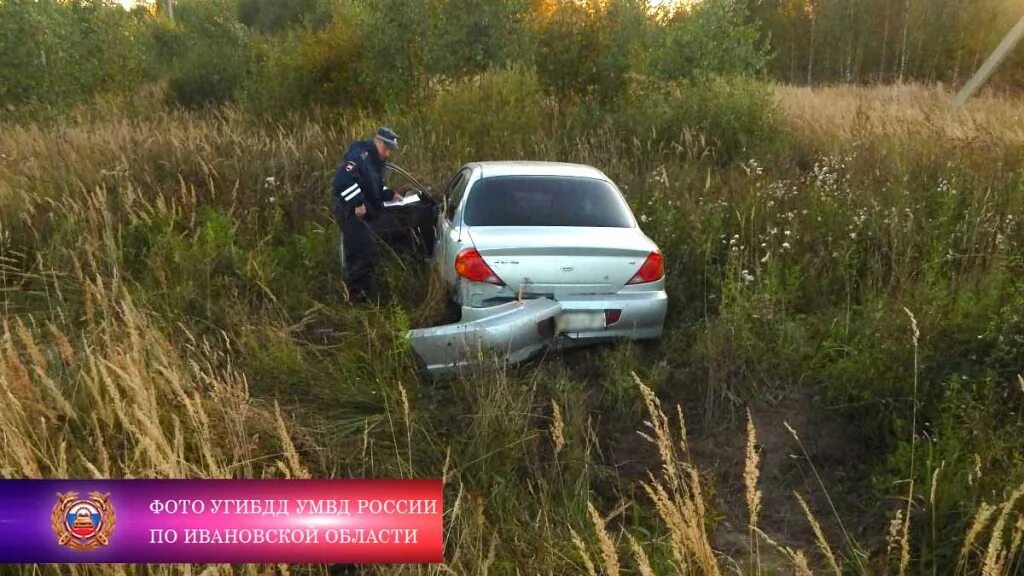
x: 407, y: 226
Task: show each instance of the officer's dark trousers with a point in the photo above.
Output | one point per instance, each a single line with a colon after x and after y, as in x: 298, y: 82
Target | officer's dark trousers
x: 360, y: 254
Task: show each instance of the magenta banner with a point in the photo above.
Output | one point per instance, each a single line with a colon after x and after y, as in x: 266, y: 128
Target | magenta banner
x: 221, y: 521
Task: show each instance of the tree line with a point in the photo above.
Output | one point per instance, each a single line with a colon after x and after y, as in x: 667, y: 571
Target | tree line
x: 278, y: 55
x: 867, y: 41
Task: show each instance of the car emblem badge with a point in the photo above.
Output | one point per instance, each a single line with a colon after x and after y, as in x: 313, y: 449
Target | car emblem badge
x: 568, y: 268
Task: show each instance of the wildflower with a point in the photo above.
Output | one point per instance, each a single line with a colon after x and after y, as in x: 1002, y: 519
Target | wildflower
x: 767, y: 255
x: 643, y: 218
x: 785, y: 245
x: 746, y: 277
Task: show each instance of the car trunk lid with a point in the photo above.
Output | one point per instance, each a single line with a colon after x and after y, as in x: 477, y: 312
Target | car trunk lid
x: 562, y: 261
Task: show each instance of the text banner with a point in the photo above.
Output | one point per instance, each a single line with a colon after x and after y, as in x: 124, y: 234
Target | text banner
x: 221, y: 521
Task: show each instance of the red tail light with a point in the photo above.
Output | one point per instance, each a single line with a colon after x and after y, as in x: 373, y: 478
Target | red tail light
x: 653, y: 269
x: 470, y: 265
x: 612, y: 316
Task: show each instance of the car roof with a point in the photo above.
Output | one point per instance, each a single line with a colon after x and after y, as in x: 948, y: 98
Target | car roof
x: 535, y: 168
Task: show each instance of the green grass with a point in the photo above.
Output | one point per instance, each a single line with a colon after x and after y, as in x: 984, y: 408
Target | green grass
x: 793, y: 239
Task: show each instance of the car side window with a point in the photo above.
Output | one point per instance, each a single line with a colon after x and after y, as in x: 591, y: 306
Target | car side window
x: 455, y: 193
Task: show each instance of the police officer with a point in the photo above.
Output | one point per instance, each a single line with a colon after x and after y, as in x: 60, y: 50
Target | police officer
x: 358, y: 198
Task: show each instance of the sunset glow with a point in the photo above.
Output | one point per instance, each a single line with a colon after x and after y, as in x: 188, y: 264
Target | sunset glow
x: 670, y: 6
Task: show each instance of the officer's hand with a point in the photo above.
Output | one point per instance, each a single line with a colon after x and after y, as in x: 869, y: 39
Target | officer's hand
x: 396, y: 198
x: 361, y: 210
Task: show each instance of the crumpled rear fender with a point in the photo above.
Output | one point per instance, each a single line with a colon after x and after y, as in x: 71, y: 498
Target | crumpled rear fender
x: 513, y: 331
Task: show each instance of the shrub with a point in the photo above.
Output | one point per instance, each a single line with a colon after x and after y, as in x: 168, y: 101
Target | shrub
x: 716, y: 38
x: 59, y: 53
x: 271, y: 16
x: 215, y: 55
x: 737, y: 116
x: 490, y: 116
x: 588, y: 51
x: 397, y: 34
x: 311, y: 68
x: 472, y: 36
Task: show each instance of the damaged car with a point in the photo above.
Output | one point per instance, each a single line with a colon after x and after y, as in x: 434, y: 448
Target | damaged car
x: 539, y: 255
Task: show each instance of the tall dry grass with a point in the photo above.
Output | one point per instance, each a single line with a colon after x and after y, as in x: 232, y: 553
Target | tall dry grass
x: 844, y: 114
x: 148, y: 407
x: 118, y: 365
x: 112, y: 397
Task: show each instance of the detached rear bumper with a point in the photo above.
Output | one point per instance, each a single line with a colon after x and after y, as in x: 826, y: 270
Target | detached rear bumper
x: 516, y: 331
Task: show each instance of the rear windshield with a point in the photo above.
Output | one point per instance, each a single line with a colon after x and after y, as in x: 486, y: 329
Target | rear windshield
x: 546, y: 201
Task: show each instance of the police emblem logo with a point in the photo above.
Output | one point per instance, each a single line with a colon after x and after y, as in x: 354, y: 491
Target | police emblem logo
x: 83, y: 523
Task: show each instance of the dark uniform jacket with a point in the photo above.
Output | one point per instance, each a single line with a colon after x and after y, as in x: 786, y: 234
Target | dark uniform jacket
x: 359, y: 180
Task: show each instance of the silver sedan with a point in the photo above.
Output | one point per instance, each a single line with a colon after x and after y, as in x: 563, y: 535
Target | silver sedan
x: 540, y: 254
